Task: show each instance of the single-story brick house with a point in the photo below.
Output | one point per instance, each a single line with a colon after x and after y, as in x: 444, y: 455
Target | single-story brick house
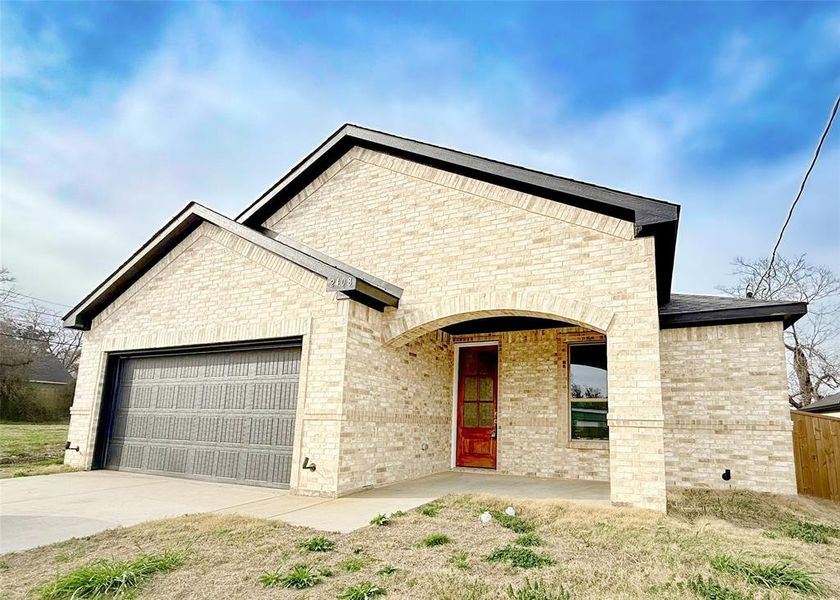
x: 391, y: 309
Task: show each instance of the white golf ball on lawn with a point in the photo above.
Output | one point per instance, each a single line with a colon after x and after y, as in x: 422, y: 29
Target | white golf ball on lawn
x: 485, y: 518
x: 510, y: 512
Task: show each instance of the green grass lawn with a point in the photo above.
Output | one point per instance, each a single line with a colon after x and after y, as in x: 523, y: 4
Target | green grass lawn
x: 31, y: 448
x: 711, y: 545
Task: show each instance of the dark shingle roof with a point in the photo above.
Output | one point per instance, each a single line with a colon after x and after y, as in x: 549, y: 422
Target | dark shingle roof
x: 686, y: 310
x: 340, y: 278
x: 46, y: 368
x: 650, y: 217
x: 828, y: 404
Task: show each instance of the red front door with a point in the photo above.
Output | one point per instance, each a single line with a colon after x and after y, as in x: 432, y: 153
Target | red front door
x: 477, y: 383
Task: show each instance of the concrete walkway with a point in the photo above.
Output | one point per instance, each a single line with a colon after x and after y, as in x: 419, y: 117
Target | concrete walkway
x: 50, y: 508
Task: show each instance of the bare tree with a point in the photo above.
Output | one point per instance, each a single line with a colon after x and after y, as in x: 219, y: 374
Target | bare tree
x: 35, y: 328
x: 813, y: 343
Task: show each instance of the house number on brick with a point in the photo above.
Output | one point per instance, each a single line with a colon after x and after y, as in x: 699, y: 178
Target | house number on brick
x: 341, y: 282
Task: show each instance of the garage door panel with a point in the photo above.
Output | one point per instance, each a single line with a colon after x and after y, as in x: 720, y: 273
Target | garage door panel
x: 225, y: 416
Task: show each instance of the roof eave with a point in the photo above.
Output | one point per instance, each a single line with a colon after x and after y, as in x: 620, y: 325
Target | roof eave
x: 650, y: 217
x: 364, y: 288
x: 788, y: 313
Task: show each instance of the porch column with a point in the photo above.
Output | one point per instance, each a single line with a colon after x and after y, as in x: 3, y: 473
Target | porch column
x: 637, y: 455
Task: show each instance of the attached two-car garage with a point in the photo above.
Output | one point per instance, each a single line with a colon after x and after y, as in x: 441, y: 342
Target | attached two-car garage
x: 209, y: 413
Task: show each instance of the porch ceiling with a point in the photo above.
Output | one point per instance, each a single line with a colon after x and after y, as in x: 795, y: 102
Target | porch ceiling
x: 500, y: 324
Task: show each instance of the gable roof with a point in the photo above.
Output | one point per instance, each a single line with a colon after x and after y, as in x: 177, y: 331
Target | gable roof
x: 650, y: 217
x: 828, y: 404
x: 341, y: 278
x: 47, y: 368
x: 688, y: 310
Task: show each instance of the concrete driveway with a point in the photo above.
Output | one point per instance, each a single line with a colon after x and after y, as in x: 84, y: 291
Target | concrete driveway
x: 50, y: 508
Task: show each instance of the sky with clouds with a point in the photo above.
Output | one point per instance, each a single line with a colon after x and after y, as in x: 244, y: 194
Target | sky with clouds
x: 115, y: 115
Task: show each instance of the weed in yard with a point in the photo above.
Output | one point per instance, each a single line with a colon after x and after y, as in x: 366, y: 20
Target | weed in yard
x: 709, y: 589
x: 299, y: 578
x: 813, y: 533
x: 779, y: 574
x: 326, y: 572
x: 398, y: 514
x: 457, y: 589
x: 380, y: 520
x: 429, y: 510
x: 515, y: 523
x: 4, y: 566
x: 435, y: 539
x: 459, y: 560
x: 537, y: 591
x: 109, y: 578
x: 362, y: 591
x: 529, y: 539
x: 519, y: 557
x: 387, y: 570
x: 317, y: 544
x: 351, y: 565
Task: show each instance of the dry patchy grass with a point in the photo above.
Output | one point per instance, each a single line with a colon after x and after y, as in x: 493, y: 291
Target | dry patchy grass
x: 596, y: 552
x: 31, y: 449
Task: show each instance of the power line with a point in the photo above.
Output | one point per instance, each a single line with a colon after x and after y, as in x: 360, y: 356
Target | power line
x: 31, y: 339
x: 799, y: 193
x: 38, y: 299
x: 17, y: 307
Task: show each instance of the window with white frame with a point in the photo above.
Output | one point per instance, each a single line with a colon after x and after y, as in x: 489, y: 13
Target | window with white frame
x: 588, y: 392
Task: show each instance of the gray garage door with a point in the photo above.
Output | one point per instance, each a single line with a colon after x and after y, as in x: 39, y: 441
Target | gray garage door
x: 223, y: 416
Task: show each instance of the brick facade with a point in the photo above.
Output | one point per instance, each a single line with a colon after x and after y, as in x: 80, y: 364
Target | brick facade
x: 375, y: 392
x: 447, y: 239
x: 724, y: 394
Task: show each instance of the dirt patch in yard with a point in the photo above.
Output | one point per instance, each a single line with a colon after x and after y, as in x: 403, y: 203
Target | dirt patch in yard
x: 594, y: 552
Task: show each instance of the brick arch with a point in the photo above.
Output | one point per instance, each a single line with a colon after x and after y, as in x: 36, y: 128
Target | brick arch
x: 415, y: 323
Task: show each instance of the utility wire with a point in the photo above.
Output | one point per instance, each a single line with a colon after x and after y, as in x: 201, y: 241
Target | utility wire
x: 38, y: 299
x: 16, y: 307
x: 798, y: 195
x: 31, y: 339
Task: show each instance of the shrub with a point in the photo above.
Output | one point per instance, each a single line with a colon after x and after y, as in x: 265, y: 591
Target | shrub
x: 429, y: 510
x: 361, y: 591
x: 536, y: 591
x: 459, y: 560
x: 351, y: 565
x: 515, y: 523
x: 780, y: 574
x: 712, y: 590
x: 519, y: 557
x: 300, y: 577
x: 528, y: 539
x: 109, y: 578
x: 380, y: 520
x: 387, y: 570
x: 317, y: 544
x: 813, y: 533
x: 435, y: 539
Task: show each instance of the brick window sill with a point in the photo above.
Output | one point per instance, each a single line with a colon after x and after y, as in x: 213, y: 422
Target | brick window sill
x: 589, y: 444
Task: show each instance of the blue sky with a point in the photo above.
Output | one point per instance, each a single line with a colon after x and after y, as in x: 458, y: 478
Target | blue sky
x: 115, y: 115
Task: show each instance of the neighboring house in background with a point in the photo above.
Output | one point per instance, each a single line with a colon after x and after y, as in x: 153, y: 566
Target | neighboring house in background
x: 830, y: 406
x: 391, y: 309
x: 48, y: 376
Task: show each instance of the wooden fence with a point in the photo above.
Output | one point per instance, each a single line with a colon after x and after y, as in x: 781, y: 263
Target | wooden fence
x: 816, y: 451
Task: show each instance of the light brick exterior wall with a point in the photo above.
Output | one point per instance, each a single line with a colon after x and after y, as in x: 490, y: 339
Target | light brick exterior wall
x: 398, y: 406
x: 456, y: 242
x: 215, y: 287
x: 533, y: 406
x: 375, y: 397
x: 724, y: 395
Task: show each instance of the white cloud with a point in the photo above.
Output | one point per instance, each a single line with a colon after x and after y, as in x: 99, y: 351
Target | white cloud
x: 213, y: 116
